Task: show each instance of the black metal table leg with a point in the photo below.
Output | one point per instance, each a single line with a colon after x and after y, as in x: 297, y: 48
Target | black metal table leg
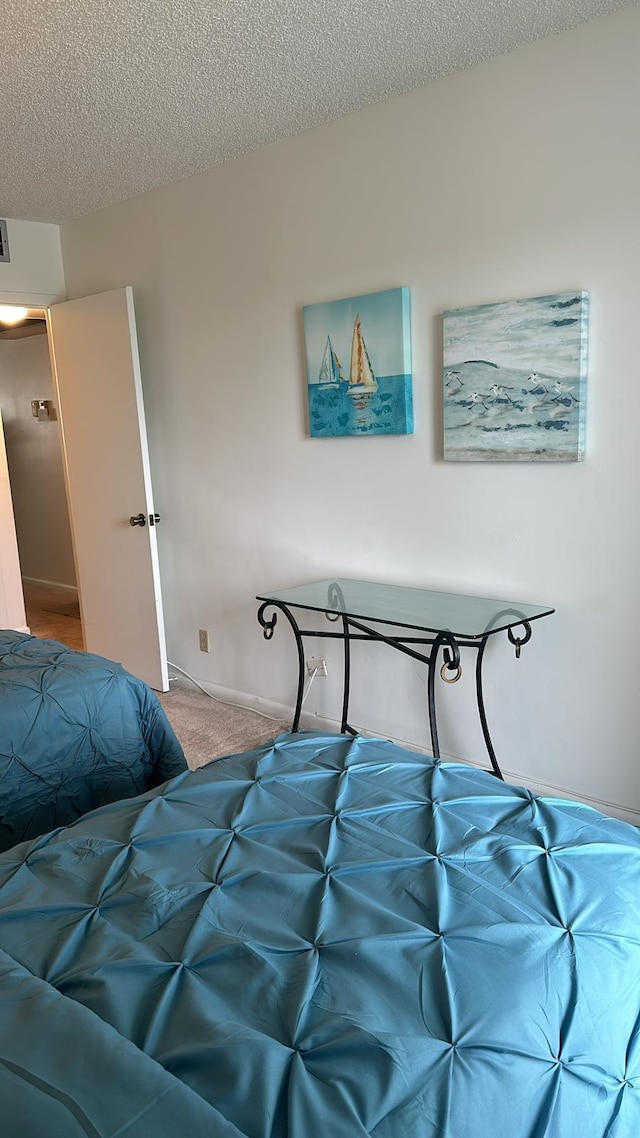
x: 447, y: 641
x: 481, y: 711
x: 431, y: 701
x: 344, y: 725
x: 267, y: 630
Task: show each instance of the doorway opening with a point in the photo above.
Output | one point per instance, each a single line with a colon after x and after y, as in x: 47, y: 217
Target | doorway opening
x: 34, y: 458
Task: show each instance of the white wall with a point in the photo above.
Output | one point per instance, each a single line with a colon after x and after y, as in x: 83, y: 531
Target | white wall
x: 513, y: 179
x: 34, y: 275
x: 35, y: 463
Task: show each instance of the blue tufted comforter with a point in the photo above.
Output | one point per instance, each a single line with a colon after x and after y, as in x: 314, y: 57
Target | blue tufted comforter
x: 76, y: 731
x: 324, y: 937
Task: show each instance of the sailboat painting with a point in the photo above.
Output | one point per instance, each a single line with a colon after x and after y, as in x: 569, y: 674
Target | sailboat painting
x: 515, y: 377
x: 369, y: 393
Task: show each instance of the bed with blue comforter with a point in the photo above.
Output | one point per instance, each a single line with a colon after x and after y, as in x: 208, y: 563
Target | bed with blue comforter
x: 326, y: 936
x: 76, y: 731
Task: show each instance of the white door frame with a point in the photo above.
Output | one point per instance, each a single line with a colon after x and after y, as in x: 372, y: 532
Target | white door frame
x: 40, y: 300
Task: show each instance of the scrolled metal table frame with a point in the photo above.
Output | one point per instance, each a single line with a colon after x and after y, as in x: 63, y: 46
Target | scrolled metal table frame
x: 437, y: 641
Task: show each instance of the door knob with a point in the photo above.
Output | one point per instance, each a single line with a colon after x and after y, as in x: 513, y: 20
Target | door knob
x: 138, y: 520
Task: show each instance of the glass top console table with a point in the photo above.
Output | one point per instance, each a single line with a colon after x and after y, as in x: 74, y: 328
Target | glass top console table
x: 428, y: 624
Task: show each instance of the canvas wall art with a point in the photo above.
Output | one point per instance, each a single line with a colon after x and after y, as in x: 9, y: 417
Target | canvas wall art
x: 515, y: 380
x: 359, y: 365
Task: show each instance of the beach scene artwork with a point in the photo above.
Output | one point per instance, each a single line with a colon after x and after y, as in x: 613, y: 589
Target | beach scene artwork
x: 358, y: 354
x: 515, y: 377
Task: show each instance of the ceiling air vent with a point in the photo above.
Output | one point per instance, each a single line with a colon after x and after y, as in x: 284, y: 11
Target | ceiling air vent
x: 4, y: 242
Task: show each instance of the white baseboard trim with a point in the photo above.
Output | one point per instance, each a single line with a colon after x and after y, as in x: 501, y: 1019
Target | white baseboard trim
x: 265, y: 707
x: 312, y: 722
x: 551, y: 790
x: 516, y: 778
x: 50, y: 584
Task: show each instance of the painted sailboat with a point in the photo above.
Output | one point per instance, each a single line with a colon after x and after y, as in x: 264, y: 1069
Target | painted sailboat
x: 330, y: 375
x: 362, y: 381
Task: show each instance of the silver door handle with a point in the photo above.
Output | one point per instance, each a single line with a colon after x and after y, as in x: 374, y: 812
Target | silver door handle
x: 138, y: 520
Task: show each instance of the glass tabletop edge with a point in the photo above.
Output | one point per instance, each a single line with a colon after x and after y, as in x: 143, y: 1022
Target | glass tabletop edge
x: 353, y: 614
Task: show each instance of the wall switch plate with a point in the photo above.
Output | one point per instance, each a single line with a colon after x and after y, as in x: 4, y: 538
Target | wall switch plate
x: 203, y: 639
x: 317, y: 666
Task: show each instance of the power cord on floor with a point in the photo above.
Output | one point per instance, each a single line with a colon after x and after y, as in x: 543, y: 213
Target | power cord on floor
x: 242, y: 706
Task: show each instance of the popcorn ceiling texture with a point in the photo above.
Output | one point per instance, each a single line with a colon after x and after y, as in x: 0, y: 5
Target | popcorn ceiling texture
x: 100, y: 101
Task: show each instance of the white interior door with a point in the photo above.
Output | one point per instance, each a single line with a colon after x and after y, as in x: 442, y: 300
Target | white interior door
x: 94, y: 355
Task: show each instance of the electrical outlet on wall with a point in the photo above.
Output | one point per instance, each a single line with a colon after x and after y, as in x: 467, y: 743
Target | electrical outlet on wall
x: 317, y: 666
x: 203, y: 639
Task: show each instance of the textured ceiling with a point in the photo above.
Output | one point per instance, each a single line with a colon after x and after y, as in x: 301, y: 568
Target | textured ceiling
x: 100, y: 101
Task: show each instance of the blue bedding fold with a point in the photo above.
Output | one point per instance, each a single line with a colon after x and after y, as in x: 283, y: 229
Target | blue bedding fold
x: 76, y: 731
x: 67, y: 1073
x: 336, y: 936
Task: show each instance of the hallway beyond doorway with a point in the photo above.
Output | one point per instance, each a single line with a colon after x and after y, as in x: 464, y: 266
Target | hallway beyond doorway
x: 53, y: 614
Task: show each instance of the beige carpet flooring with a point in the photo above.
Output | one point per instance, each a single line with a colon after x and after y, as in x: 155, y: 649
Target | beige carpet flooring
x: 208, y: 729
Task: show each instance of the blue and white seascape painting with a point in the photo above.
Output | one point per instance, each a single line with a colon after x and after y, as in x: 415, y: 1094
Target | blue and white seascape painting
x: 359, y: 365
x: 515, y: 380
